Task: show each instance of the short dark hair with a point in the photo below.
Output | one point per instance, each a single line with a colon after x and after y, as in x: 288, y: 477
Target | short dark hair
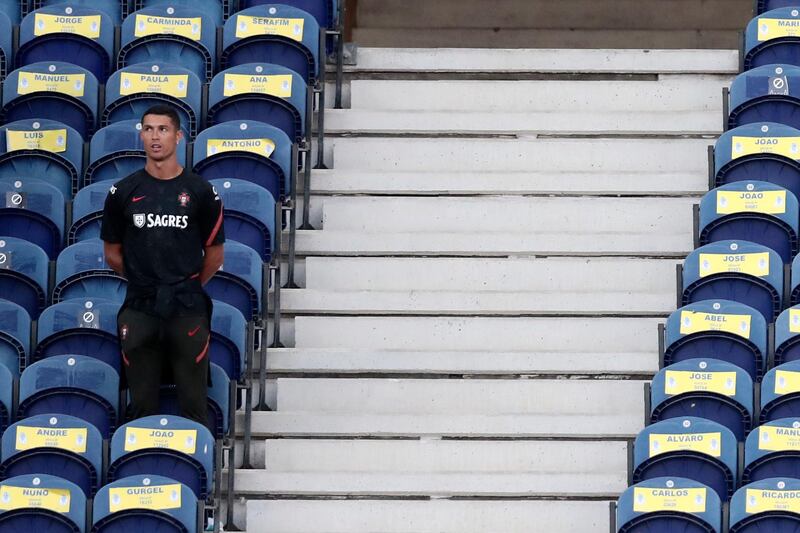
x: 164, y: 110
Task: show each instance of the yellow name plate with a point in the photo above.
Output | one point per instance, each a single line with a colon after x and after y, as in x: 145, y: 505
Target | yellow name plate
x: 182, y: 440
x: 173, y: 85
x: 650, y: 500
x: 156, y: 497
x: 776, y: 28
x: 760, y: 501
x: 69, y: 84
x: 706, y: 443
x: 263, y: 147
x: 72, y: 439
x: 56, y: 500
x: 678, y: 382
x: 785, y: 146
x: 88, y: 26
x: 794, y: 320
x: 191, y: 28
x: 776, y: 439
x: 768, y: 202
x: 695, y: 322
x: 279, y: 85
x: 47, y: 140
x: 755, y: 264
x: 252, y: 26
x: 786, y: 382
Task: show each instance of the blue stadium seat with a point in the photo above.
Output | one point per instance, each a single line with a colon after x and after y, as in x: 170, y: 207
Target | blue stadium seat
x: 87, y: 212
x: 15, y: 336
x: 218, y: 402
x: 54, y: 91
x: 228, y: 339
x: 780, y: 392
x: 73, y: 385
x: 771, y: 451
x: 754, y: 211
x: 57, y: 445
x: 740, y: 271
x: 767, y: 505
x: 83, y: 326
x: 83, y: 36
x: 795, y: 282
x: 768, y: 5
x: 23, y: 274
x: 704, y: 388
x: 82, y: 272
x: 145, y: 503
x: 240, y: 281
x: 669, y: 504
x: 249, y: 214
x: 688, y: 447
x: 131, y: 90
x: 218, y: 10
x: 767, y: 152
x: 247, y: 150
x: 7, y: 392
x: 61, y: 510
x: 109, y: 7
x: 34, y: 211
x: 276, y: 95
x: 787, y: 336
x: 117, y: 150
x: 42, y: 149
x: 273, y: 33
x: 6, y: 43
x: 770, y: 38
x: 765, y: 94
x: 168, y: 34
x: 12, y: 9
x: 730, y: 331
x: 325, y: 12
x: 172, y: 446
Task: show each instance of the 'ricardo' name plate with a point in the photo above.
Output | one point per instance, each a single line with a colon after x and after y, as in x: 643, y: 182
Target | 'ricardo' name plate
x: 760, y: 501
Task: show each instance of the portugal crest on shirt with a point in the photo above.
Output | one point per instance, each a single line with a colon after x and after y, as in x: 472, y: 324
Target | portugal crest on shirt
x: 183, y: 199
x: 138, y: 220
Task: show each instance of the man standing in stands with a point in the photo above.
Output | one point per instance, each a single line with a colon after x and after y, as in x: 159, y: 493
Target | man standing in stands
x: 162, y: 228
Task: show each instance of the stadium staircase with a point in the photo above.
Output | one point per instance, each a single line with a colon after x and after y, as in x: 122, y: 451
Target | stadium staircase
x: 495, y: 244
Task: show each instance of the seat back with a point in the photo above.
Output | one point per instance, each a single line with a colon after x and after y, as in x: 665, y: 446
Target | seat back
x: 55, y: 91
x: 740, y: 271
x: 7, y: 382
x: 770, y: 39
x: 762, y: 506
x: 41, y: 502
x: 23, y: 274
x: 176, y: 447
x: 787, y: 336
x: 87, y: 212
x: 15, y: 336
x: 247, y: 150
x: 754, y: 211
x: 239, y: 282
x: 74, y: 385
x: 249, y: 214
x: 325, y: 12
x: 765, y: 94
x: 275, y: 94
x: 6, y: 42
x: 669, y: 504
x: 780, y: 392
x: 33, y: 210
x: 55, y: 444
x: 771, y: 450
x: 690, y: 447
x: 82, y: 272
x: 217, y: 10
x: 110, y: 7
x: 71, y: 33
x: 43, y: 149
x: 228, y: 339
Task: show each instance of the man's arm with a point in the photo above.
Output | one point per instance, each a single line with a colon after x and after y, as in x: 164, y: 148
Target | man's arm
x: 212, y: 260
x: 113, y: 253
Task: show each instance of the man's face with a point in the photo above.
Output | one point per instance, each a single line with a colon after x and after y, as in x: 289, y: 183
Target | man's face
x: 160, y: 137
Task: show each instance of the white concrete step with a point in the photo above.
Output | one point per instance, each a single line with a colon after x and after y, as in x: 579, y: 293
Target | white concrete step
x: 547, y: 60
x: 515, y: 426
x: 438, y: 457
x: 347, y: 121
x: 288, y: 361
x: 435, y: 516
x: 570, y: 286
x: 554, y: 155
x: 462, y: 397
x: 669, y: 93
x: 586, y: 181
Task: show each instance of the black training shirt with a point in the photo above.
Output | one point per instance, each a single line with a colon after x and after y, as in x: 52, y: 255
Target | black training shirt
x: 163, y: 226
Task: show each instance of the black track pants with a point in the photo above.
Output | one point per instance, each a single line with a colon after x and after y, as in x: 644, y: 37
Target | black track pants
x: 150, y: 343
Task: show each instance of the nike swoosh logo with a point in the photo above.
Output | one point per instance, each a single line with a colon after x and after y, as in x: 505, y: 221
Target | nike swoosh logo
x: 195, y: 330
x: 137, y: 198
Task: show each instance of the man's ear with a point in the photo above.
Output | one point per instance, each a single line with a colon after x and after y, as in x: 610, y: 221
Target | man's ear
x: 179, y: 135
